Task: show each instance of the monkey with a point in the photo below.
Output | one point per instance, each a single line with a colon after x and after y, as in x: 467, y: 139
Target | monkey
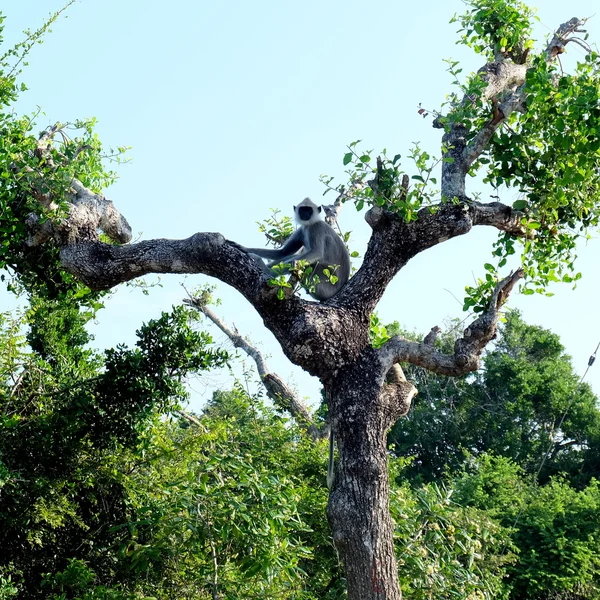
x: 317, y: 243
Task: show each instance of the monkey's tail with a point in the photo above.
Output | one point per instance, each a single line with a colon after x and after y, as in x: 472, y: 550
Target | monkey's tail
x: 330, y: 464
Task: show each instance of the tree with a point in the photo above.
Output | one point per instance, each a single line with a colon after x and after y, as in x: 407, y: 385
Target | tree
x: 554, y: 528
x: 526, y: 404
x: 68, y: 419
x: 520, y: 120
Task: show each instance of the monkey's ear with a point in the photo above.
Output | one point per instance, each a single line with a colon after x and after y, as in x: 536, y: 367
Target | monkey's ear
x: 319, y: 207
x: 294, y: 209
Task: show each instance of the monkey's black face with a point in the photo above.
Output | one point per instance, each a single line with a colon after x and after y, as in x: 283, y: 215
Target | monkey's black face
x: 305, y: 213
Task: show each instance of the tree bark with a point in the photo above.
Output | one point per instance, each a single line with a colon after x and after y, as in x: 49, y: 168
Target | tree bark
x: 362, y: 410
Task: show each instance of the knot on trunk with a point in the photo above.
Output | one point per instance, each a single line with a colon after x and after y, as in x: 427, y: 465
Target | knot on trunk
x: 396, y: 393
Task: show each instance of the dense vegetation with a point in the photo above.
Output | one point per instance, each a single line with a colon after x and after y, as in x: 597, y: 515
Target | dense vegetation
x: 109, y: 489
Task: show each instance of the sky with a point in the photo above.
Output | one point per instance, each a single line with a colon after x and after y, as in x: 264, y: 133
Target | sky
x: 235, y: 108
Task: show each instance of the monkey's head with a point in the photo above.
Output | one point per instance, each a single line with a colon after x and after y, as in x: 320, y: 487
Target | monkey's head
x: 307, y: 212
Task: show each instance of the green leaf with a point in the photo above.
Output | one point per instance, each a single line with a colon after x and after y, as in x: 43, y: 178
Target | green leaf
x: 348, y: 158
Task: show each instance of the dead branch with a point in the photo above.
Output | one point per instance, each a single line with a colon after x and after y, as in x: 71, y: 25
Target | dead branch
x: 281, y: 394
x: 467, y: 349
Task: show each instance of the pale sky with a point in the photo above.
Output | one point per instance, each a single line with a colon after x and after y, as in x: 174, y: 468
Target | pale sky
x: 233, y: 108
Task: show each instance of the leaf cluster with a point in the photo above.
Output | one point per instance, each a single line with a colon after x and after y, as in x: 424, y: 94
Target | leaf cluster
x: 492, y: 27
x: 554, y: 527
x: 386, y: 185
x: 67, y: 415
x: 36, y: 171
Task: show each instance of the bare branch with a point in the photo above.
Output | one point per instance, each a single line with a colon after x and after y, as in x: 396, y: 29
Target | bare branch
x: 103, y: 266
x: 394, y: 242
x: 90, y: 208
x: 467, y: 350
x: 564, y: 35
x: 281, y: 394
x: 190, y: 419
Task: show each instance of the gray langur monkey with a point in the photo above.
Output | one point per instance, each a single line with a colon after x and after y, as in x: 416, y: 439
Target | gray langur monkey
x: 317, y: 243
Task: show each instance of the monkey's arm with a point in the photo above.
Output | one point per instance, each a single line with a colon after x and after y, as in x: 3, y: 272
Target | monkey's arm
x: 314, y: 251
x: 292, y: 244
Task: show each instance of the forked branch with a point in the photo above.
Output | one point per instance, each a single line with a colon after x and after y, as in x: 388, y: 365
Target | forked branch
x: 506, y: 91
x: 467, y: 349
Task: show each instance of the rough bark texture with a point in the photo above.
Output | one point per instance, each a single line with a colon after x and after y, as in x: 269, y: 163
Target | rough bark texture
x: 365, y: 388
x: 363, y: 408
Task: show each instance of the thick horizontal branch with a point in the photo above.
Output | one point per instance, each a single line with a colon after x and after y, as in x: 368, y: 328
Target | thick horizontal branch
x: 103, y: 266
x: 467, y: 349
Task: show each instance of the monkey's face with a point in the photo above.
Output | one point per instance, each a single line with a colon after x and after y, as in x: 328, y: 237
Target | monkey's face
x: 307, y: 214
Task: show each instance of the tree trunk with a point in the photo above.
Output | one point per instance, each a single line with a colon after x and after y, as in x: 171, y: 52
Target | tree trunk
x: 361, y: 412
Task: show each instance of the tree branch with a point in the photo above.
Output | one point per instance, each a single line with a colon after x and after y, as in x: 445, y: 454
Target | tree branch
x: 564, y: 35
x: 281, y: 394
x: 394, y: 242
x: 103, y: 266
x: 190, y: 419
x: 467, y: 350
x: 505, y: 88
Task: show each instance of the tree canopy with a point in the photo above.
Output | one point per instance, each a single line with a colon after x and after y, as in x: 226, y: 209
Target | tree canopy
x: 524, y: 121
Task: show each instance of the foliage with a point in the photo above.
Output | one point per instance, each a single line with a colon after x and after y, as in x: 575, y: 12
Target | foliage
x: 67, y: 416
x: 560, y: 189
x: 549, y: 153
x: 554, y: 527
x: 36, y: 170
x: 276, y: 229
x: 513, y: 407
x: 496, y: 26
x: 128, y: 505
x: 446, y: 550
x: 223, y: 507
x: 525, y: 405
x: 378, y: 332
x: 386, y: 184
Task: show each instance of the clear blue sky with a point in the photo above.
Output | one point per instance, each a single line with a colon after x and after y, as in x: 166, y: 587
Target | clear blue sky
x: 235, y: 108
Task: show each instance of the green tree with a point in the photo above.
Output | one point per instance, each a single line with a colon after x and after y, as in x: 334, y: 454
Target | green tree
x: 231, y: 507
x: 555, y: 529
x: 522, y: 121
x: 67, y: 417
x: 526, y: 404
